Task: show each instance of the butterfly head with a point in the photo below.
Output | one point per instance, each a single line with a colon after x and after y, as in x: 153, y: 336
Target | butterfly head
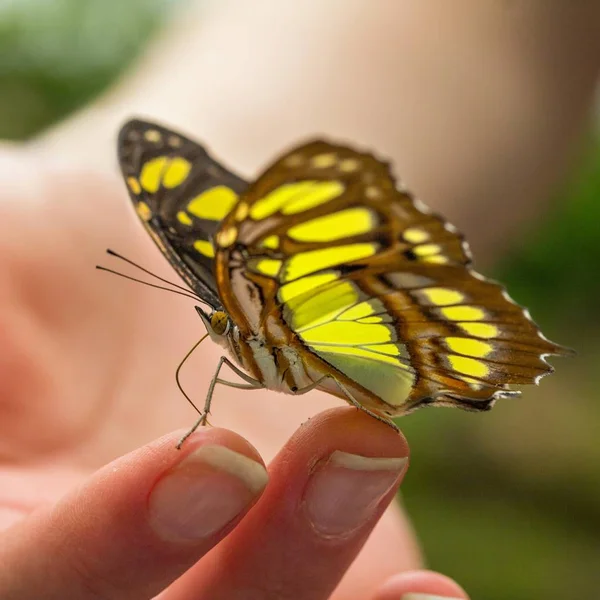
x: 218, y: 324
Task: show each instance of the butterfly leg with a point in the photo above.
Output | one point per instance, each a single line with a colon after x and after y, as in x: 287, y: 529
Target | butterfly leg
x: 351, y: 399
x: 358, y: 405
x: 251, y: 384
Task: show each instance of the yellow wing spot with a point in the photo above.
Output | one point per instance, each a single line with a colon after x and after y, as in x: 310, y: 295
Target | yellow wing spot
x: 134, y: 185
x: 469, y: 347
x: 213, y: 204
x: 292, y: 198
x: 376, y: 319
x: 294, y: 160
x: 241, y: 211
x: 322, y: 305
x: 463, y: 313
x: 174, y: 141
x: 348, y: 165
x: 177, y: 172
x: 346, y: 223
x: 427, y: 249
x: 304, y: 285
x: 304, y: 263
x: 162, y: 170
x: 468, y: 366
x: 184, y: 218
x: 437, y: 259
x: 347, y: 332
x: 273, y: 201
x: 373, y: 193
x: 205, y: 248
x: 391, y: 349
x: 143, y: 211
x: 226, y: 237
x: 358, y: 351
x: 415, y: 235
x: 481, y: 330
x: 362, y: 310
x: 442, y: 296
x: 271, y: 242
x: 322, y: 161
x: 267, y: 266
x: 322, y: 192
x: 152, y: 135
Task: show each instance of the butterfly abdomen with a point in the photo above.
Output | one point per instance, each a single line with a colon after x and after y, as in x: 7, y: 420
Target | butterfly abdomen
x: 278, y: 367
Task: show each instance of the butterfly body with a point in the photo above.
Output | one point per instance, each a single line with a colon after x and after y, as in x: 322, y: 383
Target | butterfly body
x: 272, y: 361
x: 326, y: 273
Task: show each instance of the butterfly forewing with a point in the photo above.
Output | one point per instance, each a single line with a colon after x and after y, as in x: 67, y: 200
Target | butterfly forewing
x: 181, y: 194
x: 326, y: 251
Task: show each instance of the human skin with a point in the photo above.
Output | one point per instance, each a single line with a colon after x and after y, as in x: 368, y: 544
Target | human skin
x: 87, y: 362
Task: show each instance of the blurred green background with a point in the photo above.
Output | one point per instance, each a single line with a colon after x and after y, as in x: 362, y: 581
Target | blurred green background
x: 509, y: 506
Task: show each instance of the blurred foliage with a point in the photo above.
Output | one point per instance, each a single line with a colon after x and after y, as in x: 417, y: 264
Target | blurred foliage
x: 552, y: 270
x: 57, y: 54
x: 508, y: 506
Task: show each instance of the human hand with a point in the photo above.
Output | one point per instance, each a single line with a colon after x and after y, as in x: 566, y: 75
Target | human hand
x: 156, y: 520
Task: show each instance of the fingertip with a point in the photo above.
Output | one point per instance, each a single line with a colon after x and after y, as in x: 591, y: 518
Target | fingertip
x: 420, y: 585
x: 217, y: 436
x: 133, y: 476
x: 206, y: 493
x: 351, y: 430
x: 343, y: 467
x: 202, y: 489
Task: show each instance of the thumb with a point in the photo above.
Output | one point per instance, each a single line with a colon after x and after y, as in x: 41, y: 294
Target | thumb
x: 137, y: 524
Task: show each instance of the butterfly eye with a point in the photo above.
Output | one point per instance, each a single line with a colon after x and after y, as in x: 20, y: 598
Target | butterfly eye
x: 220, y: 323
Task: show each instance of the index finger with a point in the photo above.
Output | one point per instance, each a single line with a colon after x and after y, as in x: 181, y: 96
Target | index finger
x: 328, y: 488
x: 137, y: 524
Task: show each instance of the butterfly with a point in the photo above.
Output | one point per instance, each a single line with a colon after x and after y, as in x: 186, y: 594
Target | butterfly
x: 325, y: 273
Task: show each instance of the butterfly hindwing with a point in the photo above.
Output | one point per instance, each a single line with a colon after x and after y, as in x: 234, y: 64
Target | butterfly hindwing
x: 181, y: 194
x: 375, y: 288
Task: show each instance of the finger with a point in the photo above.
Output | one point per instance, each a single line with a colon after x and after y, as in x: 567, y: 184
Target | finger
x: 328, y: 487
x: 420, y: 585
x: 137, y: 524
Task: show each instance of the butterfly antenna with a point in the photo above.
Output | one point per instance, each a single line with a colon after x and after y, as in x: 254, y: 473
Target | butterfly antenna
x: 153, y: 285
x: 179, y: 369
x: 133, y: 264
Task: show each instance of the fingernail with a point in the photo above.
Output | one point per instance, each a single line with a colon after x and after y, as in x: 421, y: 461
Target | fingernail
x: 346, y: 491
x: 204, y: 492
x: 413, y: 596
